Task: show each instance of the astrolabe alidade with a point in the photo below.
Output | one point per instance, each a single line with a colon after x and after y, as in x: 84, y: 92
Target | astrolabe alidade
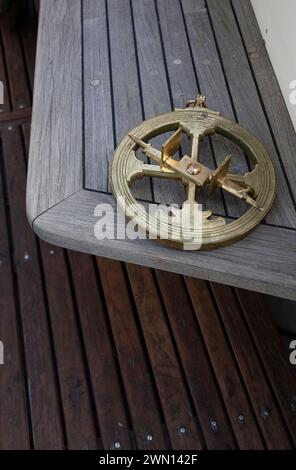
x: 255, y: 187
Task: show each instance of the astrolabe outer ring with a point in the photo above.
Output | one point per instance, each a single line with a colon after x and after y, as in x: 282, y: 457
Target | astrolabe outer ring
x: 125, y: 160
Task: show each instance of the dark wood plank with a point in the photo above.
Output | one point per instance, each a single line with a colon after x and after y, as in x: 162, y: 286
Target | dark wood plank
x: 236, y: 401
x: 271, y: 352
x: 46, y: 420
x: 14, y: 419
x: 249, y: 111
x: 80, y: 422
x: 262, y: 399
x: 28, y: 36
x: 201, y: 380
x: 113, y: 420
x: 172, y: 391
x: 136, y: 375
x: 17, y: 117
x: 37, y: 5
x: 18, y: 84
x: 44, y: 403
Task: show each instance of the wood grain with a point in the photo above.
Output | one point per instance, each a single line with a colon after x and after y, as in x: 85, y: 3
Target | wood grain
x: 278, y: 116
x: 56, y: 138
x: 239, y: 410
x: 171, y: 388
x: 277, y: 366
x: 263, y: 402
x: 247, y: 102
x: 111, y: 409
x: 14, y: 427
x: 193, y: 355
x: 246, y: 263
x: 98, y: 122
x: 138, y: 383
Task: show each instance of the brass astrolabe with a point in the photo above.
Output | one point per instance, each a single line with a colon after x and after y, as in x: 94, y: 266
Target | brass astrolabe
x: 256, y: 187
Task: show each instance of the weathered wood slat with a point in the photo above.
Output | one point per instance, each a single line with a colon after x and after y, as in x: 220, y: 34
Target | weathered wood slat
x: 239, y: 411
x: 57, y: 109
x: 274, y: 105
x: 127, y: 103
x: 212, y: 84
x: 141, y: 397
x: 172, y: 392
x: 244, y: 263
x: 247, y: 102
x: 154, y: 86
x: 201, y: 380
x: 98, y: 124
x: 183, y: 81
x: 104, y: 374
x: 262, y: 399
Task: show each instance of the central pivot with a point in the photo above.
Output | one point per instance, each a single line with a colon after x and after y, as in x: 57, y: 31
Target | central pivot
x: 193, y: 169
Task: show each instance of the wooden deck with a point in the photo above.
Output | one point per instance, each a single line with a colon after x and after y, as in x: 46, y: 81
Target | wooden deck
x: 101, y: 354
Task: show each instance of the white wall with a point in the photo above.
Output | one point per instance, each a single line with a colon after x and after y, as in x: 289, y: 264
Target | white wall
x: 277, y: 21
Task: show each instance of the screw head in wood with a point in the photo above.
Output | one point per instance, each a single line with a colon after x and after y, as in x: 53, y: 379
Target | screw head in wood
x: 117, y: 445
x: 266, y: 412
x: 214, y: 425
x: 241, y: 418
x: 27, y: 256
x: 149, y: 437
x: 182, y: 430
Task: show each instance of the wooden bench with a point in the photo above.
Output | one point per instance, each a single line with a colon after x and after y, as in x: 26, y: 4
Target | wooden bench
x: 124, y: 62
x: 92, y: 363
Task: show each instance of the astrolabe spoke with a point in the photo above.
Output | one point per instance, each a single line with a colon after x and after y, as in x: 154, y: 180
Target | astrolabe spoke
x: 156, y: 171
x: 250, y: 180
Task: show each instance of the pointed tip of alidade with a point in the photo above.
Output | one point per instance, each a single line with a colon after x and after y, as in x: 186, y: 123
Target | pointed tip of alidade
x: 139, y: 142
